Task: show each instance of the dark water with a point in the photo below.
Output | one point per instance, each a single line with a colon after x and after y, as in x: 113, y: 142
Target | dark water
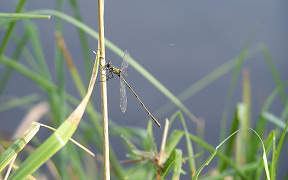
x: 178, y: 42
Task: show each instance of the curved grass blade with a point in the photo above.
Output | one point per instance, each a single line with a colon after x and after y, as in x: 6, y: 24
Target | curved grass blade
x: 173, y: 140
x: 240, y: 172
x: 59, y: 138
x: 10, y: 29
x: 18, y: 145
x: 18, y: 102
x: 43, y: 82
x: 174, y: 161
x: 21, y: 43
x: 207, y: 80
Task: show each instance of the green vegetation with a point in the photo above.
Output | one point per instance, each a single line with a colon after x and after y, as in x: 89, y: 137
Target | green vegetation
x: 244, y: 151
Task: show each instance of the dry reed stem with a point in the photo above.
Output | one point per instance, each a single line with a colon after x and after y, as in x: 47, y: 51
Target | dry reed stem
x: 103, y: 91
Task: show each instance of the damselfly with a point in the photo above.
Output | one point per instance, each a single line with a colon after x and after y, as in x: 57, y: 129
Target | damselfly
x: 123, y: 97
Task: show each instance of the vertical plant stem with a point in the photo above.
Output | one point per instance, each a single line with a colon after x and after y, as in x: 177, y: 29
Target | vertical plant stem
x: 11, y: 28
x: 164, y: 138
x: 103, y: 91
x: 162, y: 150
x: 83, y: 38
x: 5, y: 42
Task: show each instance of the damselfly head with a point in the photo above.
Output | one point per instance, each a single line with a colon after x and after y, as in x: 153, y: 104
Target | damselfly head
x: 109, y: 64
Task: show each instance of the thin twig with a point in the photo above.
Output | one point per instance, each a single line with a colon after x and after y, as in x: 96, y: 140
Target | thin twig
x: 103, y: 91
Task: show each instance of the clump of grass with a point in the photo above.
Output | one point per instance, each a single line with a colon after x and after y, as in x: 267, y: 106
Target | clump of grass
x: 242, y: 155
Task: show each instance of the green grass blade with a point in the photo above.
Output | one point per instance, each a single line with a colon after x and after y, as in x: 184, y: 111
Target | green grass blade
x: 244, y: 121
x: 25, y: 71
x: 10, y: 29
x: 173, y: 140
x: 231, y: 172
x: 173, y: 117
x: 59, y: 138
x: 276, y: 153
x: 264, y: 156
x: 20, y: 45
x: 83, y: 39
x: 214, y: 152
x: 23, y: 16
x: 31, y: 61
x: 73, y: 155
x: 230, y: 92
x: 190, y: 151
x: 273, y: 164
x: 227, y: 105
x: 174, y: 161
x: 246, y: 99
x: 6, y: 22
x: 70, y: 64
x: 130, y: 145
x: 18, y: 145
x: 284, y: 115
x: 207, y: 80
x: 59, y: 100
x: 49, y: 87
x: 7, y: 37
x: 54, y: 143
x: 229, y: 148
x: 239, y: 171
x: 272, y: 96
x: 18, y: 102
x: 240, y: 139
x: 281, y: 141
x: 177, y: 164
x: 37, y: 48
x: 261, y: 123
x: 275, y: 75
x: 149, y: 141
x: 268, y: 144
x: 274, y: 120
